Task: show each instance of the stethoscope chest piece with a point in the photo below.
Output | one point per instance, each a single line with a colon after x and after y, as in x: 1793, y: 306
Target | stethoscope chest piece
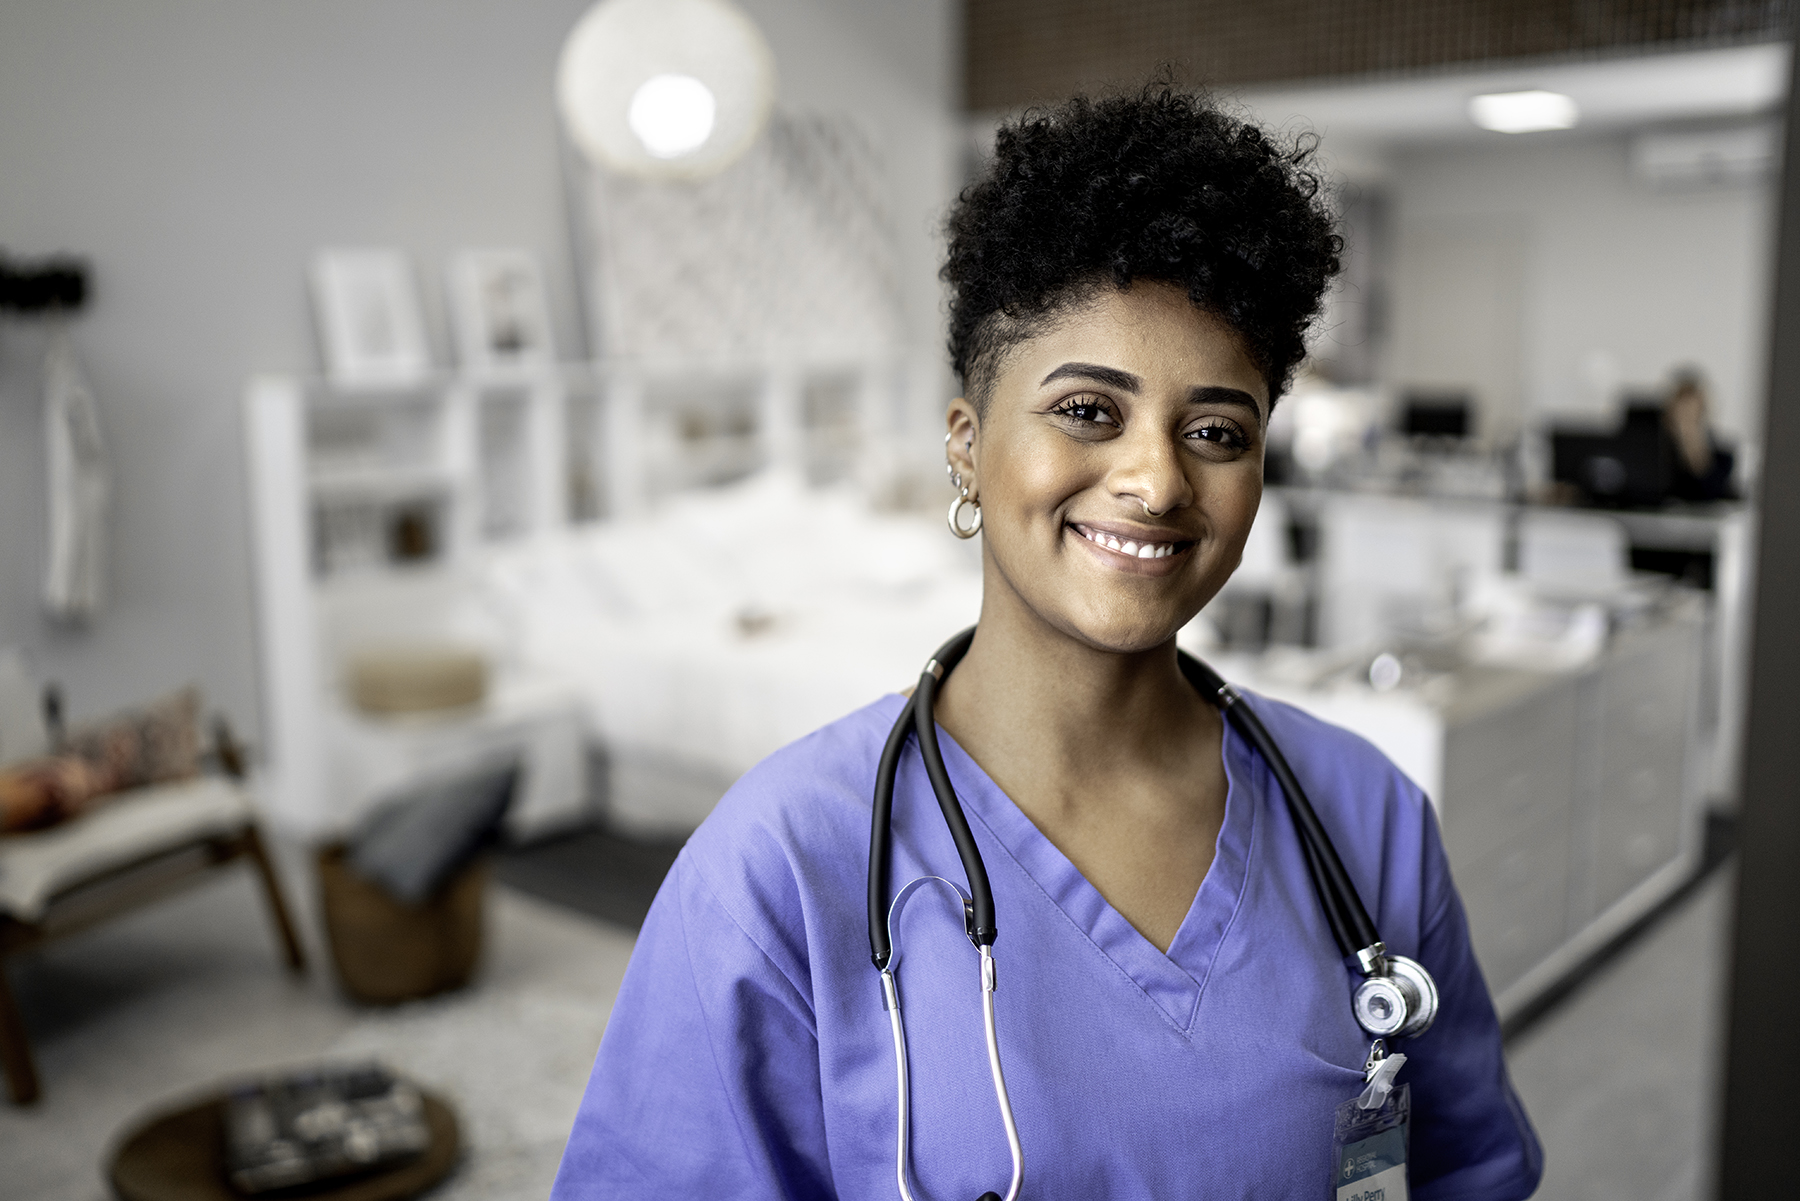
x: 1400, y: 1002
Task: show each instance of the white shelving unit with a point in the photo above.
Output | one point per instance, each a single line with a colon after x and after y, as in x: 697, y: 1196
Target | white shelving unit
x: 473, y: 458
x: 667, y: 427
x: 387, y: 496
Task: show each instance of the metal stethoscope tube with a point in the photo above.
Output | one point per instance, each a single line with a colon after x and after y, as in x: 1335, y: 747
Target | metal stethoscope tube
x: 890, y: 993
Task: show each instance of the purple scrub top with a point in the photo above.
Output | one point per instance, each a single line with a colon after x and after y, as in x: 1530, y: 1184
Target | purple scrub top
x: 749, y: 1054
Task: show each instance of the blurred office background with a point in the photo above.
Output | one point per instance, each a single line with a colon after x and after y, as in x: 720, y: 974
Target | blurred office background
x: 360, y: 373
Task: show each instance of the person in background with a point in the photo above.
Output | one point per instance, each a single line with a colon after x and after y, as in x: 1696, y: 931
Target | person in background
x: 1700, y: 469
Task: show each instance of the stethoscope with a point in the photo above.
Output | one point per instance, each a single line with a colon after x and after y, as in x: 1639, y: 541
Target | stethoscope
x: 1396, y: 997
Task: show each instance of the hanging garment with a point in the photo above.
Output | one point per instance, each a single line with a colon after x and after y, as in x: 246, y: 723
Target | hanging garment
x: 75, y: 471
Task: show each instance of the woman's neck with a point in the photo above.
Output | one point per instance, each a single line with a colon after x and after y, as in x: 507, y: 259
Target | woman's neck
x: 1056, y: 719
x: 1114, y: 757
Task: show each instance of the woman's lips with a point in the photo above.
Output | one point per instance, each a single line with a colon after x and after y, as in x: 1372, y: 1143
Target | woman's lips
x: 1130, y: 545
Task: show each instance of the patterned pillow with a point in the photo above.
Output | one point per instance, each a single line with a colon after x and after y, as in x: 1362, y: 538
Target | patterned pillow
x: 152, y: 745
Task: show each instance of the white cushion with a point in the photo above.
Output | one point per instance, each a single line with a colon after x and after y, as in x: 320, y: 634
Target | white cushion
x: 35, y: 867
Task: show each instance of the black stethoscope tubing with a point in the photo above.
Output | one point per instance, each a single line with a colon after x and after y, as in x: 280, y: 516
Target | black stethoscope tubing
x: 1351, y: 927
x: 1350, y: 923
x: 1396, y: 998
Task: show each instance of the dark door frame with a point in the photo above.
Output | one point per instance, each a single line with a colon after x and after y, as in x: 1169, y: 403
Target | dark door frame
x: 1761, y: 1111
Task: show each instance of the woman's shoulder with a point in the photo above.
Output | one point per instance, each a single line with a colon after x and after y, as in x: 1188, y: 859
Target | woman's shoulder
x: 1317, y: 748
x: 796, y: 823
x: 1381, y: 822
x: 1374, y: 810
x: 831, y: 769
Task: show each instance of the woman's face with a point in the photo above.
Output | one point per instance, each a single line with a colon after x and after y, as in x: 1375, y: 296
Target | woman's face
x: 1118, y: 466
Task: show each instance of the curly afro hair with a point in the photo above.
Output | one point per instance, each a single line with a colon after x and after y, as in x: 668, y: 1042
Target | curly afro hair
x: 1160, y: 185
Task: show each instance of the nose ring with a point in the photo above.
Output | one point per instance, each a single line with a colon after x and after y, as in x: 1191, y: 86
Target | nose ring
x: 1149, y: 512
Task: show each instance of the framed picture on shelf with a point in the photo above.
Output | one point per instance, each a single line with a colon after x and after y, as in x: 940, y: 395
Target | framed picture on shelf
x: 499, y: 311
x: 370, y: 326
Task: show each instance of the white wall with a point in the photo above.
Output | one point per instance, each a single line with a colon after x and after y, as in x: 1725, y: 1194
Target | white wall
x: 198, y: 151
x: 1459, y: 311
x: 1617, y: 282
x: 896, y: 65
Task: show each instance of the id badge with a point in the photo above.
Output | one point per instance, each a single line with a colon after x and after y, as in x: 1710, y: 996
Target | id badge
x: 1369, y: 1148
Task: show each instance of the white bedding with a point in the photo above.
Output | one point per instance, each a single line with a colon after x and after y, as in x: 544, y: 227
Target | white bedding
x: 736, y: 620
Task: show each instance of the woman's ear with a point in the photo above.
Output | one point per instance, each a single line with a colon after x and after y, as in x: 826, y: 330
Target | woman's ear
x: 961, y: 441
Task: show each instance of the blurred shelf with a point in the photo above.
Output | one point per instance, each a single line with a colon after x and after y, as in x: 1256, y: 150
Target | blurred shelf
x: 379, y: 483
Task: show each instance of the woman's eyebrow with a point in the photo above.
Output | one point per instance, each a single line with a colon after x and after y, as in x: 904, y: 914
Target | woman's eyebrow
x: 1112, y: 377
x: 1216, y: 395
x: 1124, y: 381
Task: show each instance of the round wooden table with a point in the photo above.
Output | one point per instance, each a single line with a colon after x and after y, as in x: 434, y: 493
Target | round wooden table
x: 180, y: 1156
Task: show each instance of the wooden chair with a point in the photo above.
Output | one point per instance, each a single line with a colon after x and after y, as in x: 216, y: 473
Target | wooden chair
x: 136, y: 849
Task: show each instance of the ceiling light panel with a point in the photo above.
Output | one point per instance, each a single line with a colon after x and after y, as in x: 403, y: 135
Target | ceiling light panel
x: 1524, y: 112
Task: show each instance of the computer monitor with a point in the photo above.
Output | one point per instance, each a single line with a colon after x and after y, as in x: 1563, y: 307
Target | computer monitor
x: 1572, y: 461
x: 1629, y: 467
x: 1645, y: 451
x: 1436, y: 415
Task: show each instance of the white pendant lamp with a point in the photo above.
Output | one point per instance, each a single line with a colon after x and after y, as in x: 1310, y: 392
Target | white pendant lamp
x: 665, y: 89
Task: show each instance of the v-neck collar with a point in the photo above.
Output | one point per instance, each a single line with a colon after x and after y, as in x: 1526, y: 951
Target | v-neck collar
x: 1174, y: 981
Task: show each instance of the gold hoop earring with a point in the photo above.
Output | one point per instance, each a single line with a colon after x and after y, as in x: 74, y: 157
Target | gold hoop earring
x: 955, y: 514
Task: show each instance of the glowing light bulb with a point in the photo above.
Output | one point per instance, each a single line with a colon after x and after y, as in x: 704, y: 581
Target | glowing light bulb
x: 665, y: 89
x: 672, y: 115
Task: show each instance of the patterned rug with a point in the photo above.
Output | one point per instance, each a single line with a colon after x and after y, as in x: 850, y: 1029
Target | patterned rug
x: 143, y: 1013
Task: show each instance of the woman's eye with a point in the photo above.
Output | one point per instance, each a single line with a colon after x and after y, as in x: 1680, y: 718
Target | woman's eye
x: 1087, y: 411
x: 1223, y: 434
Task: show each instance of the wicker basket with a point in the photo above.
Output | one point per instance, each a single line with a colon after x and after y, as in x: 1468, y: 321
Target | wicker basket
x: 386, y: 951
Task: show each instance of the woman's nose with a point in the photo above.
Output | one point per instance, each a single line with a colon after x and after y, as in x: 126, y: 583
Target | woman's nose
x: 1149, y: 472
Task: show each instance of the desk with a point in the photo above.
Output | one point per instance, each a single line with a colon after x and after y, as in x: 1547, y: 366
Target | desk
x: 1568, y: 800
x: 1686, y: 541
x: 1419, y: 557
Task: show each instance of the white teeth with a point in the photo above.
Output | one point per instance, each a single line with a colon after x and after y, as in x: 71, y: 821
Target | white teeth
x: 1137, y: 550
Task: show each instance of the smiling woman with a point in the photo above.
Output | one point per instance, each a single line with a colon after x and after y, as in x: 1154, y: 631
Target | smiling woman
x: 1132, y: 282
x: 1118, y: 466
